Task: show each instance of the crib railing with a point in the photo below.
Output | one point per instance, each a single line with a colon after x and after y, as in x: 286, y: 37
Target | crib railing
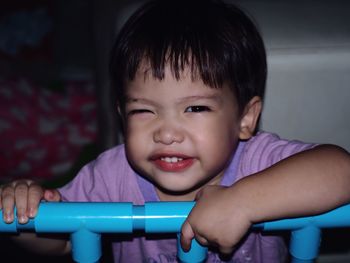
x: 87, y: 221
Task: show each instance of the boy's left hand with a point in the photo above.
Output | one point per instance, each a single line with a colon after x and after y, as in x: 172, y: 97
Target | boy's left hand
x: 218, y: 219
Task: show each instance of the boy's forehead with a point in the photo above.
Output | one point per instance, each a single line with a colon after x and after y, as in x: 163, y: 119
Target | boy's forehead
x: 145, y: 77
x: 146, y: 71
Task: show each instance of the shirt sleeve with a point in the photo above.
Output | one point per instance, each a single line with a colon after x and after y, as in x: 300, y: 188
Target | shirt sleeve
x: 266, y: 149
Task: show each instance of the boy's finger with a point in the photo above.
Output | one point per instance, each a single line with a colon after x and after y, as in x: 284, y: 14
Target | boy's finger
x: 21, y: 196
x: 52, y: 195
x: 186, y: 236
x: 8, y: 202
x: 35, y: 194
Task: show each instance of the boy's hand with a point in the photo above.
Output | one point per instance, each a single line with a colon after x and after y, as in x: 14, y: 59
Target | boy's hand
x: 26, y: 196
x: 218, y: 219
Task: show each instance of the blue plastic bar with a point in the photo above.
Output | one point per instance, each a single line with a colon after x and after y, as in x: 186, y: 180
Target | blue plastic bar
x: 306, y: 231
x: 96, y: 217
x: 339, y: 217
x: 166, y: 217
x: 87, y: 221
x: 305, y: 242
x: 86, y: 246
x: 197, y: 253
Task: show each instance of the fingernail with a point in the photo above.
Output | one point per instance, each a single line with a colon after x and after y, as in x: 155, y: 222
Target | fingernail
x: 31, y: 212
x: 8, y: 217
x: 22, y: 219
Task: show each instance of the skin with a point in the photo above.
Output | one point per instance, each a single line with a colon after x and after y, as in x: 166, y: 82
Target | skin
x: 198, y: 128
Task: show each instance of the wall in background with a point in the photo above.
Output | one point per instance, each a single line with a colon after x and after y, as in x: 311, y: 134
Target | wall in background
x: 308, y: 90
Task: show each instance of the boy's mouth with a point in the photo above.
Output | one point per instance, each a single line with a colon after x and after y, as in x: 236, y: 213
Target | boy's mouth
x: 170, y: 163
x: 171, y: 159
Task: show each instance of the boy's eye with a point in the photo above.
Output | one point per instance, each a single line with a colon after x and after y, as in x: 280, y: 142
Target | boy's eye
x: 197, y: 109
x: 138, y: 111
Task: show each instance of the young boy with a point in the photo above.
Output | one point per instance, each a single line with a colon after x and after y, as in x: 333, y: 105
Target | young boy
x: 189, y: 78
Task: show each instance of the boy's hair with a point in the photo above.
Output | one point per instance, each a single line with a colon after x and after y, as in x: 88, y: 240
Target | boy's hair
x: 217, y: 41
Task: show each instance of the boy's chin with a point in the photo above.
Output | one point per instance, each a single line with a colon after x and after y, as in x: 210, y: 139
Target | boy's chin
x: 177, y: 194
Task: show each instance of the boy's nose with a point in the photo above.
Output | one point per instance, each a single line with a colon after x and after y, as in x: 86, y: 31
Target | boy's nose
x: 168, y: 133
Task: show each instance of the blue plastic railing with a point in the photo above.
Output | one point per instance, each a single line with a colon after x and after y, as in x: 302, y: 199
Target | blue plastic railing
x: 87, y: 221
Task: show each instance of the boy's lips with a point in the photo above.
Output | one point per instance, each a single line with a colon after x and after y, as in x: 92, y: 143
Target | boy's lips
x: 172, y: 162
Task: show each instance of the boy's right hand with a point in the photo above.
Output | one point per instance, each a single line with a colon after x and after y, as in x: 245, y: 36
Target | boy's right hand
x: 26, y: 196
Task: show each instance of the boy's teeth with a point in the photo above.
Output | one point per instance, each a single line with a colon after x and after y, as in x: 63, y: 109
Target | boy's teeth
x: 171, y: 159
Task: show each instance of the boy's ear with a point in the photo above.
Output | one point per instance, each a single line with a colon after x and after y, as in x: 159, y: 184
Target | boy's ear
x: 250, y: 118
x: 121, y: 119
x: 119, y: 110
x: 121, y: 114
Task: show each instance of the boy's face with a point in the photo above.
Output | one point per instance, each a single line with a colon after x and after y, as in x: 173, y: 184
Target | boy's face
x: 180, y: 134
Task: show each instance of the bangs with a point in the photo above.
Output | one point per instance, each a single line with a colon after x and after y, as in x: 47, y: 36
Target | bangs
x: 189, y: 43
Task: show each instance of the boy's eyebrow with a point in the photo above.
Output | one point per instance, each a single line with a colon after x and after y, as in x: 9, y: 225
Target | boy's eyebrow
x: 135, y: 99
x: 144, y: 101
x: 200, y: 97
x: 180, y: 100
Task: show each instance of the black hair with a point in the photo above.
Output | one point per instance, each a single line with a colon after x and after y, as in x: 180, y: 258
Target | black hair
x: 218, y: 41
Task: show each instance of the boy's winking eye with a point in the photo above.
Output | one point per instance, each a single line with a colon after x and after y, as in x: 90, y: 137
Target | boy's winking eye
x: 138, y: 111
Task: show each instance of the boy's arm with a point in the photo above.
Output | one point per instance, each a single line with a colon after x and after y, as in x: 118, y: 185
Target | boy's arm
x: 306, y: 183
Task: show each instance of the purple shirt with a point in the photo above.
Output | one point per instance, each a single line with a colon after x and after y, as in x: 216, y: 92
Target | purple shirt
x: 110, y: 178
